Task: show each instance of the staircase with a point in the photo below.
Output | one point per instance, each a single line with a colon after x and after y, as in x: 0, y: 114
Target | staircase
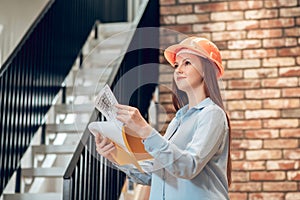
x: 67, y: 119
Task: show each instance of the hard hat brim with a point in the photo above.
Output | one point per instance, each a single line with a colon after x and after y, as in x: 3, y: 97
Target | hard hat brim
x: 171, y: 51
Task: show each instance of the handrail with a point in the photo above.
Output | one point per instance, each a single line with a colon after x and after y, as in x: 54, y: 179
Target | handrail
x: 34, y: 73
x: 85, y: 165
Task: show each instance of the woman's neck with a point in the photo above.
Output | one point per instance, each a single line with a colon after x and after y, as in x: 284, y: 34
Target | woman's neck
x: 195, y: 97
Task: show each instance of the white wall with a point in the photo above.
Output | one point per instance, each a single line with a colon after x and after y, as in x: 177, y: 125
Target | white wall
x: 16, y: 16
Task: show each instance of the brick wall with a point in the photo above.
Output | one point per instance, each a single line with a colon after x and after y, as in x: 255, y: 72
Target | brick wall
x: 260, y: 45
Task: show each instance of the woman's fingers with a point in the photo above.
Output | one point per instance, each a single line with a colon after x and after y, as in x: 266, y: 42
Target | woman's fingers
x: 105, y: 150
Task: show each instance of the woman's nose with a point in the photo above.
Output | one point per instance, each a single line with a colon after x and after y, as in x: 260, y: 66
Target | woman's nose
x: 179, y: 69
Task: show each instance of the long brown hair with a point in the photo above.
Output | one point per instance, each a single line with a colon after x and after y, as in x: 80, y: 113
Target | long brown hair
x: 212, y: 90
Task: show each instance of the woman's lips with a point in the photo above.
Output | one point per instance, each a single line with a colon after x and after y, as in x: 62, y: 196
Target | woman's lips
x: 180, y: 78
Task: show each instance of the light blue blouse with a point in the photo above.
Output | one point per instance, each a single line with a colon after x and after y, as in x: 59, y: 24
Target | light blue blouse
x: 190, y: 160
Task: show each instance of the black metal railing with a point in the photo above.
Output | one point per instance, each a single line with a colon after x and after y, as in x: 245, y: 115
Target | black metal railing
x: 88, y: 175
x: 33, y: 74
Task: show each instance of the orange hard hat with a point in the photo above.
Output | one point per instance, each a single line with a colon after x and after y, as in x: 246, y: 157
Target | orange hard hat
x: 200, y: 46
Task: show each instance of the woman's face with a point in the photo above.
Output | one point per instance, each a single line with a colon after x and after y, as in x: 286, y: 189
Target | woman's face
x: 188, y: 74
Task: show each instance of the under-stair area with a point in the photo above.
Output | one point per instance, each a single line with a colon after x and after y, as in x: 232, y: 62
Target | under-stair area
x: 48, y: 87
x: 70, y: 114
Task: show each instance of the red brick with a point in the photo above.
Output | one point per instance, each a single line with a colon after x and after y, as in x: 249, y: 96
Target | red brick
x: 166, y: 2
x: 281, y: 103
x: 192, y: 18
x: 266, y: 196
x: 279, y: 186
x: 292, y: 154
x: 260, y: 73
x: 244, y: 105
x: 290, y: 113
x: 237, y: 155
x: 249, y: 186
x: 175, y: 10
x: 231, y: 74
x: 227, y: 16
x: 211, y: 7
x: 267, y: 176
x: 293, y: 176
x: 293, y: 32
x: 263, y: 154
x: 240, y: 176
x: 280, y: 3
x: 246, y: 124
x: 277, y: 23
x: 292, y: 196
x: 244, y: 44
x: 244, y: 63
x: 260, y: 114
x: 280, y: 144
x: 165, y: 98
x: 262, y: 134
x: 236, y: 115
x: 243, y: 84
x: 233, y: 54
x: 248, y: 165
x: 168, y: 19
x: 193, y: 1
x: 225, y: 36
x: 289, y: 51
x: 268, y: 33
x: 242, y: 25
x: 259, y: 53
x: 290, y: 71
x: 262, y: 93
x: 246, y: 144
x: 261, y: 14
x: 238, y: 196
x: 279, y: 62
x: 290, y: 133
x: 280, y: 123
x: 219, y: 26
x: 290, y: 12
x: 180, y: 28
x: 279, y: 82
x: 291, y: 92
x: 282, y: 164
x: 237, y: 133
x: 165, y: 78
x: 279, y: 42
x: 245, y: 5
x: 234, y: 94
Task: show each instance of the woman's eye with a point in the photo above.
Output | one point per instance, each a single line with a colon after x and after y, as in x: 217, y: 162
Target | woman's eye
x: 187, y: 63
x: 175, y: 66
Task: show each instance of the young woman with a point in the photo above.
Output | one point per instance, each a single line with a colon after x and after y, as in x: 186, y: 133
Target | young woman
x: 192, y: 159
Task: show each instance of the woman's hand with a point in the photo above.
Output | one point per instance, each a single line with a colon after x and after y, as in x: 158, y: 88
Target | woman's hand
x: 133, y: 120
x: 105, y: 147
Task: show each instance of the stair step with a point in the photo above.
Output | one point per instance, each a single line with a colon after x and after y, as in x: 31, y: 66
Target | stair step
x: 73, y: 108
x: 53, y: 149
x: 84, y: 90
x: 92, y: 73
x: 109, y: 29
x: 33, y: 196
x: 53, y: 172
x: 65, y: 128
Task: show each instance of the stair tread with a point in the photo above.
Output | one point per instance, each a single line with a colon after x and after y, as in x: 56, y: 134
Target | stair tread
x: 32, y: 196
x: 84, y: 90
x: 73, y: 108
x: 109, y: 29
x: 54, y: 149
x: 43, y: 172
x: 65, y: 128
